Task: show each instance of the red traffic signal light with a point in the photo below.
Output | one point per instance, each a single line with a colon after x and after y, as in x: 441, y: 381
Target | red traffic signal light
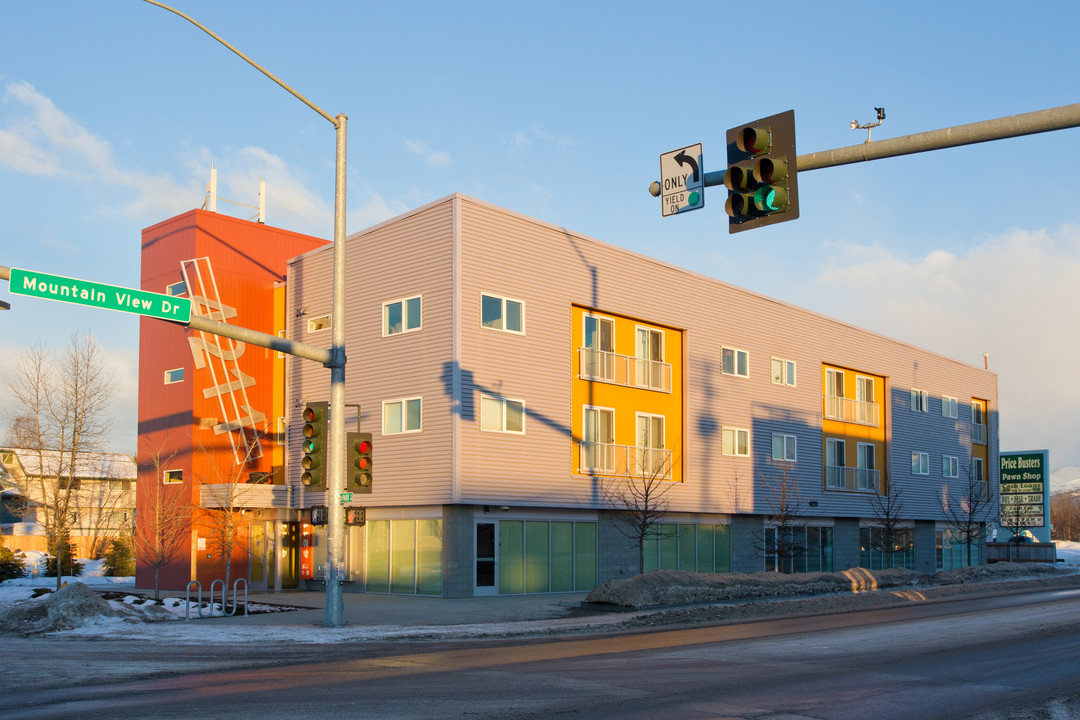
x: 760, y: 177
x: 358, y: 475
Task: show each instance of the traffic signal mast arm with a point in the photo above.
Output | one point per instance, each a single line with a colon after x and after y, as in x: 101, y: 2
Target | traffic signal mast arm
x: 1032, y: 123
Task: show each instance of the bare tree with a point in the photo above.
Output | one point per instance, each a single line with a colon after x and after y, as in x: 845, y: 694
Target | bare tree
x: 21, y: 432
x: 225, y: 498
x: 894, y: 534
x: 68, y: 399
x: 785, y: 537
x: 968, y: 513
x: 1065, y: 515
x: 638, y: 499
x: 164, y: 522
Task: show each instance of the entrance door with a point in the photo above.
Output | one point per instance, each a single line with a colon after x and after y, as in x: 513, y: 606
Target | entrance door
x: 290, y: 555
x: 486, y: 574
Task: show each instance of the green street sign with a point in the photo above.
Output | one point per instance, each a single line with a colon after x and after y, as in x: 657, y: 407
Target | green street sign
x: 345, y: 497
x: 99, y: 295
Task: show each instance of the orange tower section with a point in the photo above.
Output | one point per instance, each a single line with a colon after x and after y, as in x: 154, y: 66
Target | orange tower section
x: 209, y: 407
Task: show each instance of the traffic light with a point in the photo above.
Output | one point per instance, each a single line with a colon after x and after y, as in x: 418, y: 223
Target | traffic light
x: 314, y: 444
x: 355, y: 515
x: 320, y: 515
x: 760, y: 177
x: 358, y: 478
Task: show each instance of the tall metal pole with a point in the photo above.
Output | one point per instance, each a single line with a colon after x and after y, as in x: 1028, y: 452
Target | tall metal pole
x: 335, y: 528
x: 336, y: 448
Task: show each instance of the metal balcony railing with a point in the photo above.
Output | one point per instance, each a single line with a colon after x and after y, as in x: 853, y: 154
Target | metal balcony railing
x: 852, y: 411
x: 852, y: 478
x: 624, y: 370
x: 624, y: 460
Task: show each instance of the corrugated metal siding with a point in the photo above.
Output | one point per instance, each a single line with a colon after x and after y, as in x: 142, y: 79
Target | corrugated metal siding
x: 550, y: 269
x: 404, y: 258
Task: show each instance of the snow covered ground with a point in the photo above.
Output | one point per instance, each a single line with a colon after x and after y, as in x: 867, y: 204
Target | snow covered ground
x: 17, y: 591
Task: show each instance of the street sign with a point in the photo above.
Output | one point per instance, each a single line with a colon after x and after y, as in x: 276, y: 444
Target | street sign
x: 682, y: 181
x: 346, y: 497
x: 99, y: 295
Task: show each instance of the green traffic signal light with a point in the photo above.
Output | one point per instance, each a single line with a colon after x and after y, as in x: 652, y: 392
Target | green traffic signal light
x: 760, y: 177
x: 314, y: 445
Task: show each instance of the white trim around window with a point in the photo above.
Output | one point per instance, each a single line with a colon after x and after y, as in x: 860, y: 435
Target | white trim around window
x: 735, y: 442
x: 783, y: 372
x: 176, y: 375
x: 402, y: 416
x: 502, y: 313
x: 920, y: 463
x: 920, y: 400
x: 502, y: 415
x: 784, y: 448
x: 950, y: 466
x: 172, y: 477
x: 948, y: 406
x: 403, y: 316
x: 734, y: 361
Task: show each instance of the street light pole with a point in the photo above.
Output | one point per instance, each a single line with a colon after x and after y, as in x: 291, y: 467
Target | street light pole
x: 336, y: 465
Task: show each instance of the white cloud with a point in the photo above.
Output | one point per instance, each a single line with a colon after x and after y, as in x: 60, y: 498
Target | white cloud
x: 434, y: 158
x: 1015, y: 296
x: 40, y: 139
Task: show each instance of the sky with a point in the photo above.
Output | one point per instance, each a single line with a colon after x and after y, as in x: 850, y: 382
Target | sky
x: 111, y: 115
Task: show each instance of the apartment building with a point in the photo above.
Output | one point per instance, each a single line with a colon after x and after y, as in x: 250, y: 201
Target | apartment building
x: 515, y: 375
x: 95, y: 493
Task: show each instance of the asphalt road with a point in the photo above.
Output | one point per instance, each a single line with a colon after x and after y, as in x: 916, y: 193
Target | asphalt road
x: 962, y: 659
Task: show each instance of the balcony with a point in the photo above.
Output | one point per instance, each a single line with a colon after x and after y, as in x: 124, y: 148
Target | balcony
x: 624, y: 370
x: 624, y: 461
x: 852, y: 411
x: 978, y: 434
x: 838, y: 477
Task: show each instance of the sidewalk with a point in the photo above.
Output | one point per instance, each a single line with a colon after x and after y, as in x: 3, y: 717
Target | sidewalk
x: 369, y: 609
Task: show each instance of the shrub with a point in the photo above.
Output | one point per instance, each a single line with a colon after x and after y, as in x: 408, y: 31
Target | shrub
x: 12, y: 564
x: 61, y: 548
x: 119, y: 560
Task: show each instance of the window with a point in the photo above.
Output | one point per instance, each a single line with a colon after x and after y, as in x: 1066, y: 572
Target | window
x: 502, y: 314
x: 798, y: 549
x: 652, y: 458
x: 176, y: 289
x: 867, y: 474
x: 735, y: 362
x: 650, y: 358
x: 174, y: 376
x: 401, y: 316
x: 318, y: 323
x: 502, y: 415
x: 948, y: 407
x: 736, y: 441
x: 401, y: 416
x: 783, y: 372
x: 783, y: 447
x: 835, y: 464
x: 598, y: 348
x: 172, y: 477
x: 865, y: 408
x: 834, y: 394
x: 950, y: 466
x: 597, y: 438
x: 919, y: 400
x: 920, y: 463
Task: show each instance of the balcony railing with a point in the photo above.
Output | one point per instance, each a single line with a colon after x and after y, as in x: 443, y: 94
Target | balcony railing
x: 852, y: 478
x: 624, y: 370
x: 978, y: 434
x: 852, y: 411
x: 624, y: 461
